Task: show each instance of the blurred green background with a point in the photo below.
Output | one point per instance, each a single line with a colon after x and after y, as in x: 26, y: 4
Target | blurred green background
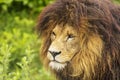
x: 19, y: 44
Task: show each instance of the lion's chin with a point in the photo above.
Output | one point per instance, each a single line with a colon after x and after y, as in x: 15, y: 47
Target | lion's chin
x: 57, y: 66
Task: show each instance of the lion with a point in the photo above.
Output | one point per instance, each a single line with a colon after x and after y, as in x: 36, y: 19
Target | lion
x: 80, y: 39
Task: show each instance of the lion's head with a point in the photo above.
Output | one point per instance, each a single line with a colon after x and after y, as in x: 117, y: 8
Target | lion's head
x: 65, y: 44
x: 81, y: 39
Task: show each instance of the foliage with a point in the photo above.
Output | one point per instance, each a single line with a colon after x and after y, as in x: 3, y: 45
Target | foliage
x: 19, y: 48
x: 116, y: 1
x: 34, y: 5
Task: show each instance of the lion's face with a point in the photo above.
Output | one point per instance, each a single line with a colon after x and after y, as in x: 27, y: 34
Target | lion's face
x: 64, y: 46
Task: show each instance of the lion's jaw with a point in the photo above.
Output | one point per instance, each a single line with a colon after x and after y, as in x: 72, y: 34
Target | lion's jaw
x: 57, y: 66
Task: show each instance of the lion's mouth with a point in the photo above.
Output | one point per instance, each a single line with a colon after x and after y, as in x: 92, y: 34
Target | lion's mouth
x: 58, y: 62
x: 57, y: 65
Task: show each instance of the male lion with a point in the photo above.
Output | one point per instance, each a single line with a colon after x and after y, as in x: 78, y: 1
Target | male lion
x: 81, y: 39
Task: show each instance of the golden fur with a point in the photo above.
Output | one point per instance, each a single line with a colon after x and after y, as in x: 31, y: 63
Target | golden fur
x: 97, y: 23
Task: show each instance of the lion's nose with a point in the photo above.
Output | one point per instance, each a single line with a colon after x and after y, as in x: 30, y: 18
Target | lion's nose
x: 55, y: 53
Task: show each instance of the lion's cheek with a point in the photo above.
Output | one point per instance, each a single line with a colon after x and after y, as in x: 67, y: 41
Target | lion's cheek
x: 73, y: 47
x: 64, y: 58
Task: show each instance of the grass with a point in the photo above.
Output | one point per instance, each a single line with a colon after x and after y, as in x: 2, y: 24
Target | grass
x: 19, y: 48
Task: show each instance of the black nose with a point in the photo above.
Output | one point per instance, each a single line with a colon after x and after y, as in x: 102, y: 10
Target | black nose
x: 54, y: 53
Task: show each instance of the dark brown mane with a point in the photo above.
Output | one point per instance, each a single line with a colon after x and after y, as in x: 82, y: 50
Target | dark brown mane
x: 104, y: 19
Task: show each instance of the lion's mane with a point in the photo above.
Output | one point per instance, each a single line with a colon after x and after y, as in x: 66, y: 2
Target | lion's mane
x: 101, y: 55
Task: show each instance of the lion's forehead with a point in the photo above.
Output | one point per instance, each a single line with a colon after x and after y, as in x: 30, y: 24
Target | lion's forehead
x: 61, y: 29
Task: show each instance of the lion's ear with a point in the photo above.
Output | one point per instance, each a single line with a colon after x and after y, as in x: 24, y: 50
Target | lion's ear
x: 44, y: 21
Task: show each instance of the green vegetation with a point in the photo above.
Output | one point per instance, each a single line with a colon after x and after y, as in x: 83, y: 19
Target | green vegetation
x: 19, y: 44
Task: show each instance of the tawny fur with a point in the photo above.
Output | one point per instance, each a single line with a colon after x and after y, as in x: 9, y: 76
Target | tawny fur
x: 98, y: 22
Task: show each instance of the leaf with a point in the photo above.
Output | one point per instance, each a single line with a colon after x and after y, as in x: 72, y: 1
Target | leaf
x: 6, y: 1
x: 4, y: 7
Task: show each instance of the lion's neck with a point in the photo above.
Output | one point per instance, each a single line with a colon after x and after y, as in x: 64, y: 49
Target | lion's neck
x: 62, y: 76
x: 66, y: 75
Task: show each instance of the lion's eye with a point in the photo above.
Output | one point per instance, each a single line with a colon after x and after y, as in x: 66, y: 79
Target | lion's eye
x: 53, y: 35
x: 70, y: 37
